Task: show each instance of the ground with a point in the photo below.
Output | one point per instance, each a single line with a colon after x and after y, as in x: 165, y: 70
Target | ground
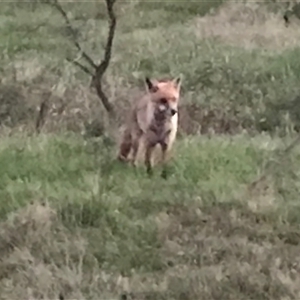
x: 76, y: 224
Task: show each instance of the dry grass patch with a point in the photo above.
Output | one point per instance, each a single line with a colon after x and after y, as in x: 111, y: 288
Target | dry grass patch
x: 42, y: 259
x: 250, y: 26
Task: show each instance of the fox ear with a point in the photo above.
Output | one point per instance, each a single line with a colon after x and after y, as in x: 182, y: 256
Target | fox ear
x: 151, y: 85
x: 177, y: 82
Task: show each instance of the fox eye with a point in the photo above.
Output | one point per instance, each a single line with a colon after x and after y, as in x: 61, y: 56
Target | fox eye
x: 163, y: 101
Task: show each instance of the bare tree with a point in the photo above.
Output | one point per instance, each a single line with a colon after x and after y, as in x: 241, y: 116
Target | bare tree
x: 96, y: 71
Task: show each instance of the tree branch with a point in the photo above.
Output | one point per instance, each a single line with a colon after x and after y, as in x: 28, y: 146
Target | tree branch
x: 100, y: 69
x: 59, y: 8
x: 109, y: 42
x: 82, y: 67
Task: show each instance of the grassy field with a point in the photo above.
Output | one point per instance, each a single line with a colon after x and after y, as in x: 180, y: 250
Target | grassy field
x: 92, y: 228
x: 76, y: 224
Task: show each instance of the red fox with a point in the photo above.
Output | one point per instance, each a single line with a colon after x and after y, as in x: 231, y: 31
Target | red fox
x: 153, y: 120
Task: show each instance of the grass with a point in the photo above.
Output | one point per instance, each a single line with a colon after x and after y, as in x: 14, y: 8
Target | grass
x: 203, y: 221
x: 75, y: 224
x: 250, y: 69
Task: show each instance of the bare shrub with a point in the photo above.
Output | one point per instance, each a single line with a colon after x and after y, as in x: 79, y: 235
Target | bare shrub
x: 98, y: 70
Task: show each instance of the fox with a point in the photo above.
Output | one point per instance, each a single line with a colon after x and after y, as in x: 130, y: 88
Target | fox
x: 152, y: 120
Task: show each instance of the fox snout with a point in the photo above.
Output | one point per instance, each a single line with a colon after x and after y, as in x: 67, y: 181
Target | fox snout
x: 164, y: 108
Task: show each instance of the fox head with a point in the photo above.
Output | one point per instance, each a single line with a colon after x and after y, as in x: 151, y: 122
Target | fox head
x: 164, y: 94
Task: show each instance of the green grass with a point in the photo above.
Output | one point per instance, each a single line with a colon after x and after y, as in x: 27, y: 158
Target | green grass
x: 254, y: 87
x: 76, y: 223
x: 129, y: 221
x: 37, y: 165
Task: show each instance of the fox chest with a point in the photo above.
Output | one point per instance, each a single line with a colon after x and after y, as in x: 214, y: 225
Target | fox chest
x: 160, y: 131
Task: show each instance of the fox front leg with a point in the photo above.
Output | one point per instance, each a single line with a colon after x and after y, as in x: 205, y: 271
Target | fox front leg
x: 135, y: 147
x: 148, y: 154
x: 164, y: 148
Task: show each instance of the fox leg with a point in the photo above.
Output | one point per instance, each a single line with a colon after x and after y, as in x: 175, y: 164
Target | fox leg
x: 148, y: 154
x: 125, y: 145
x: 166, y: 145
x: 165, y: 156
x: 135, y: 147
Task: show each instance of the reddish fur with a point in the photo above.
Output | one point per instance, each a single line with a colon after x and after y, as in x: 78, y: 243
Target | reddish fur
x: 138, y: 125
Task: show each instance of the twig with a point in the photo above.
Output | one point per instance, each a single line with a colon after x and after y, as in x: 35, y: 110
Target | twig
x: 82, y: 67
x: 41, y: 118
x: 109, y: 42
x: 286, y: 19
x: 59, y: 8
